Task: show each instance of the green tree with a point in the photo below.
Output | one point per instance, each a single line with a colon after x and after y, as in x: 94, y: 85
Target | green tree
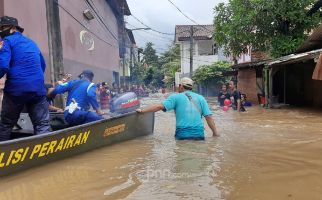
x: 138, y: 73
x: 154, y: 75
x: 277, y: 27
x: 170, y: 61
x: 157, y: 68
x: 148, y: 78
x: 212, y: 73
x: 149, y: 55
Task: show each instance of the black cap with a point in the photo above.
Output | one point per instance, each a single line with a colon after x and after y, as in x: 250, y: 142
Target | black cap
x: 87, y: 73
x: 10, y: 21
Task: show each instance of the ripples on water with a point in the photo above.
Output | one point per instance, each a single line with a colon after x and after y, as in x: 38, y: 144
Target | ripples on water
x: 261, y: 154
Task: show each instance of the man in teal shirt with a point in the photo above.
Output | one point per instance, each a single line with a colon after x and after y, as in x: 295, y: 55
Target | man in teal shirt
x: 189, y: 108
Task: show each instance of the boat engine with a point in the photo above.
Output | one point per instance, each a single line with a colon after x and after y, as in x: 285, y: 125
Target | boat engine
x: 124, y: 103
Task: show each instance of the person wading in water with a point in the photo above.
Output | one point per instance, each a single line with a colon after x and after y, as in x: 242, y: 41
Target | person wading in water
x: 235, y: 97
x: 223, y: 95
x: 189, y: 108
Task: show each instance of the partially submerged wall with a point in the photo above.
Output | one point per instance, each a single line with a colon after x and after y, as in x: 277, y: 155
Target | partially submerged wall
x: 247, y: 84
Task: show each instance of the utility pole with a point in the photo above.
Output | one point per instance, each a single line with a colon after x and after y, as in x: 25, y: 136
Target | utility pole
x: 123, y: 61
x: 131, y: 63
x: 191, y: 51
x: 54, y: 43
x: 266, y: 70
x: 123, y: 47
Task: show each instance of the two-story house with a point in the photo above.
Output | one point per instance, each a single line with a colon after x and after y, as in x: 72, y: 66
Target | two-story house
x: 204, y: 49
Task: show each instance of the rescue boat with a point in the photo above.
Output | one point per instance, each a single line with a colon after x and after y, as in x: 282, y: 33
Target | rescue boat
x: 25, y: 150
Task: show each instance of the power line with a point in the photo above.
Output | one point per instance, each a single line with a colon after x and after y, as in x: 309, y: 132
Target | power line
x: 153, y: 34
x: 159, y: 49
x: 160, y: 32
x: 62, y: 7
x: 143, y: 38
x: 183, y: 13
x: 163, y: 33
x: 100, y: 18
x: 152, y: 37
x: 188, y: 16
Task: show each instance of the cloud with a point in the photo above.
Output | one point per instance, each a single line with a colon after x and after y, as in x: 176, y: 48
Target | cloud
x: 163, y: 16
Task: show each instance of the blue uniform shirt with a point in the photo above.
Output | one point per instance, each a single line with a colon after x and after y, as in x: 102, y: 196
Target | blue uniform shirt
x: 22, y: 61
x: 189, y: 122
x: 78, y: 90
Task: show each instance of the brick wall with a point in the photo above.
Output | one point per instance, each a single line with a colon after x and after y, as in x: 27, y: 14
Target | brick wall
x: 247, y: 84
x: 257, y: 56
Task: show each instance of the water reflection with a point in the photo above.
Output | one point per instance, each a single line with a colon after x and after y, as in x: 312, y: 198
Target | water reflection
x: 179, y: 169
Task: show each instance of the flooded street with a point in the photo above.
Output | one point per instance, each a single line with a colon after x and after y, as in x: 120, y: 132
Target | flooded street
x: 261, y: 154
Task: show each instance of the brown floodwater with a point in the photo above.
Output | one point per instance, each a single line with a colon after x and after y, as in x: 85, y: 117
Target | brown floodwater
x: 261, y: 154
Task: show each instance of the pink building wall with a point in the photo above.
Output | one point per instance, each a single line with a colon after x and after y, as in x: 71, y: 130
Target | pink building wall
x: 34, y: 23
x: 90, y: 52
x: 78, y: 53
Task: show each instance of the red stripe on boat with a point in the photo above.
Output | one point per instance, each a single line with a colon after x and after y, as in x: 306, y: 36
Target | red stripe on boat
x: 133, y: 103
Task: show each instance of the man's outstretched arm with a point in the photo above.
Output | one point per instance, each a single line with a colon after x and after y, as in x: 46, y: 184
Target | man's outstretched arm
x: 152, y: 108
x: 212, y: 126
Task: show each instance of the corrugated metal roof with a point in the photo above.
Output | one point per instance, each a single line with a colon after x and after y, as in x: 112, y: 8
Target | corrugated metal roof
x: 250, y: 64
x: 285, y: 60
x: 294, y: 58
x: 201, y: 32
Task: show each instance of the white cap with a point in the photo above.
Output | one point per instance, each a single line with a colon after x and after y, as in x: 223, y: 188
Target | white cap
x: 186, y: 82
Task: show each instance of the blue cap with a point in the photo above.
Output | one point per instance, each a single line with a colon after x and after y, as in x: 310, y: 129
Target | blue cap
x: 87, y: 73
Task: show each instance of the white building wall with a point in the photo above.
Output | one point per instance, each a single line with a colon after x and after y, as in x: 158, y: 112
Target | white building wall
x: 246, y: 57
x: 198, y: 60
x: 221, y: 55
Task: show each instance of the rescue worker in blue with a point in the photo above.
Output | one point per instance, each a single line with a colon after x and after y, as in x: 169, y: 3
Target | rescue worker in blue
x: 24, y: 66
x: 81, y: 95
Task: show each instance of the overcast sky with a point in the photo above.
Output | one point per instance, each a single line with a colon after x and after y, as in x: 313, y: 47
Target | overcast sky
x: 163, y: 16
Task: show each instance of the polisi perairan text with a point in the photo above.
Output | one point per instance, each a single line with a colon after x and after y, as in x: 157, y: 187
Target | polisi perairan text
x: 36, y: 151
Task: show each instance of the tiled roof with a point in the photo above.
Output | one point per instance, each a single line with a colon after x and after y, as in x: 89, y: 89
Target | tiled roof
x: 201, y: 32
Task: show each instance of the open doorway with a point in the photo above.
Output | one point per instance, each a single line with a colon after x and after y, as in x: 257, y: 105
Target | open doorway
x: 293, y: 85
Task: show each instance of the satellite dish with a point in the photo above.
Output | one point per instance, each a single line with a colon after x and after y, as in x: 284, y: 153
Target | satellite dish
x: 87, y: 40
